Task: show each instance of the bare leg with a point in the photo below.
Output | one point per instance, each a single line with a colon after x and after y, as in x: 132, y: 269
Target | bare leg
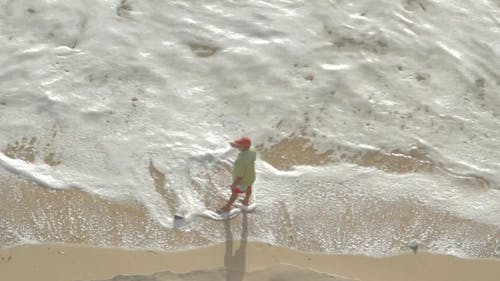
x: 247, y: 196
x: 229, y: 203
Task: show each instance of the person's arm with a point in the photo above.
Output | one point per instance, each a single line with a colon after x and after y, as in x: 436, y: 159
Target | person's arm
x: 238, y: 172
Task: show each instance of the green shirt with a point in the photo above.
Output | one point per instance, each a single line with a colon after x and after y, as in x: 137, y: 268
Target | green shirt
x: 244, y: 167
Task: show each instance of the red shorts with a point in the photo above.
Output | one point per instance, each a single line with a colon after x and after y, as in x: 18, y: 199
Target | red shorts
x: 237, y: 190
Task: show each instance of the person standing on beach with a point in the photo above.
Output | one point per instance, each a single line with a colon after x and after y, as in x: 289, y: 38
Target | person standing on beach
x: 243, y: 172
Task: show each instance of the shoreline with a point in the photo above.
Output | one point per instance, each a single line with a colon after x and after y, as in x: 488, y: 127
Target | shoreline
x: 55, y: 262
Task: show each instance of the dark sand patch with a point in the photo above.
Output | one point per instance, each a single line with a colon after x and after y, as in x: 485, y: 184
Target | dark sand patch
x: 298, y: 150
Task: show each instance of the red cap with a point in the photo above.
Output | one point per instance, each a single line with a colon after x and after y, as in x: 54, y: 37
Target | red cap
x: 245, y: 141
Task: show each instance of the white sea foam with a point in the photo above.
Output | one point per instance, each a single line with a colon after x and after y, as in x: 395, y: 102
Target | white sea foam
x: 108, y: 87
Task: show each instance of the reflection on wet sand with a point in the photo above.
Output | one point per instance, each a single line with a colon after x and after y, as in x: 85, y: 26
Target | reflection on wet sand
x: 234, y: 263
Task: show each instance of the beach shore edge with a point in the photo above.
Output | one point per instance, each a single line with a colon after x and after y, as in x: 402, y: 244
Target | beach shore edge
x: 78, y: 262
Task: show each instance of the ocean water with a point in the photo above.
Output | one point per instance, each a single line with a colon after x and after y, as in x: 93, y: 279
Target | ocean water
x: 376, y: 122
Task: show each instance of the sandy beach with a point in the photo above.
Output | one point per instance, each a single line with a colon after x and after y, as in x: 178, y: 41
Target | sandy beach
x: 232, y: 260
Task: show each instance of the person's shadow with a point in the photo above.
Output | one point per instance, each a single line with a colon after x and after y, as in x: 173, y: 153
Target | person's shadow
x: 235, y: 264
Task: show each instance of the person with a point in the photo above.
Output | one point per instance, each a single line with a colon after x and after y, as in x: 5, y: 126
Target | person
x: 243, y: 172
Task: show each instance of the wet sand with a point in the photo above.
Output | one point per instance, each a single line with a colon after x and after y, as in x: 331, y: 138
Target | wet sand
x: 47, y: 214
x: 238, y: 260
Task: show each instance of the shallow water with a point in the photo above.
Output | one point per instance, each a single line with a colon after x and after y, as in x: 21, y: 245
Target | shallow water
x: 376, y: 122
